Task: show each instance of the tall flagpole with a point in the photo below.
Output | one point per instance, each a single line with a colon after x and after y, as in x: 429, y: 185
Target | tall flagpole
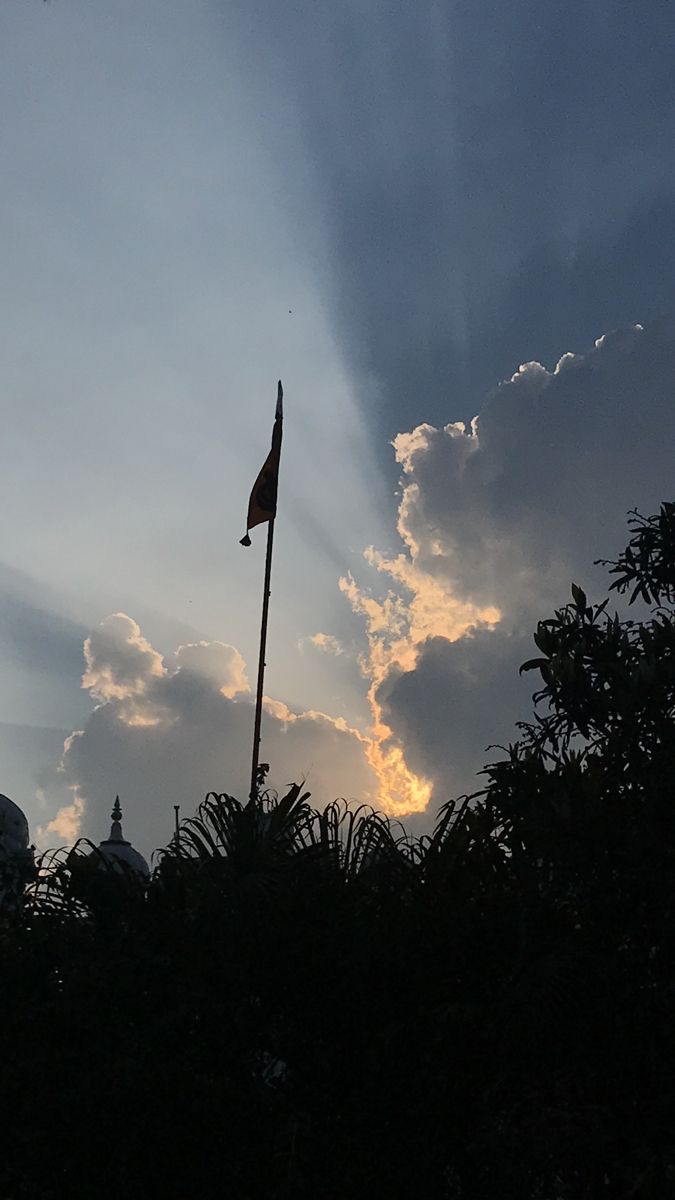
x: 261, y: 662
x: 262, y: 508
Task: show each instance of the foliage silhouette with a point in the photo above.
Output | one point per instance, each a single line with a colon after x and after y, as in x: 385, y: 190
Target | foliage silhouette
x: 304, y: 1003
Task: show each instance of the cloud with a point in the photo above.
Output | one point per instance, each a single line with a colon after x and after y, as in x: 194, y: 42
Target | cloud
x: 461, y: 698
x: 327, y: 643
x: 121, y: 664
x: 496, y: 519
x: 167, y: 730
x: 474, y: 215
x: 66, y: 825
x: 217, y: 662
x: 397, y: 626
x: 499, y: 509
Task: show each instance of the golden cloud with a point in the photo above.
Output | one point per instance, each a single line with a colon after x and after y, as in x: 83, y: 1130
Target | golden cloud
x: 421, y: 606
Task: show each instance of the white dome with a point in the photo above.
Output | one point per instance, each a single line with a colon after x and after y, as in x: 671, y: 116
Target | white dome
x: 121, y: 851
x: 14, y: 832
x: 116, y: 849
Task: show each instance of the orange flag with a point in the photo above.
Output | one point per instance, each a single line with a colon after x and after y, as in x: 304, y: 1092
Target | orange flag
x: 262, y: 505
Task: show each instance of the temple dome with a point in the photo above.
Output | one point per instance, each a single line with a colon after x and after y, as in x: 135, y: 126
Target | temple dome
x: 116, y: 849
x: 17, y: 865
x: 14, y: 832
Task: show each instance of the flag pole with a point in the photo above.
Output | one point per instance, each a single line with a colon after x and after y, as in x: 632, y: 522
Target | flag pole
x: 261, y: 662
x: 262, y: 508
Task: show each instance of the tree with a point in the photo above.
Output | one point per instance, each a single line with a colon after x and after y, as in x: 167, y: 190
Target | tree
x: 584, y: 805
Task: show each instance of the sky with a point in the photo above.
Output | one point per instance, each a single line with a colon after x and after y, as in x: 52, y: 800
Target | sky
x: 450, y: 230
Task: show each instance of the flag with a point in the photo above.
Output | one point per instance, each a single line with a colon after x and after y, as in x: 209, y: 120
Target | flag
x: 262, y: 505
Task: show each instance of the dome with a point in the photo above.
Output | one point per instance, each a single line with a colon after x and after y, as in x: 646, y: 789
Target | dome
x: 17, y: 865
x: 116, y: 850
x: 14, y: 833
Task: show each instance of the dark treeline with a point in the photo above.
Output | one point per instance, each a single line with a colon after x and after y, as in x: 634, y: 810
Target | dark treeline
x: 305, y: 1004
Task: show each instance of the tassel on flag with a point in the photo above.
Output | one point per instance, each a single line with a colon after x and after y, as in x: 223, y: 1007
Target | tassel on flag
x: 262, y: 505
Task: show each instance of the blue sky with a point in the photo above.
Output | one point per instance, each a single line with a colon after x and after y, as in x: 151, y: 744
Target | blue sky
x: 391, y: 207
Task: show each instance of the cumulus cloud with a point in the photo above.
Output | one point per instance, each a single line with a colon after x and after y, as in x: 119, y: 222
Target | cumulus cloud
x: 398, y: 625
x: 327, y: 643
x: 66, y: 825
x: 496, y: 518
x: 499, y: 510
x: 167, y: 730
x: 120, y: 662
x: 217, y: 662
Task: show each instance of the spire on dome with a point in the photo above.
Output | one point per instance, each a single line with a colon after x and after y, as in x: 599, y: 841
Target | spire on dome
x: 117, y: 848
x: 116, y: 818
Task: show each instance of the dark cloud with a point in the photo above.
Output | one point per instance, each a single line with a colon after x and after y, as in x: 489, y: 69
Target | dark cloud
x: 561, y: 290
x: 492, y: 184
x: 505, y: 516
x: 478, y: 696
x: 554, y: 460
